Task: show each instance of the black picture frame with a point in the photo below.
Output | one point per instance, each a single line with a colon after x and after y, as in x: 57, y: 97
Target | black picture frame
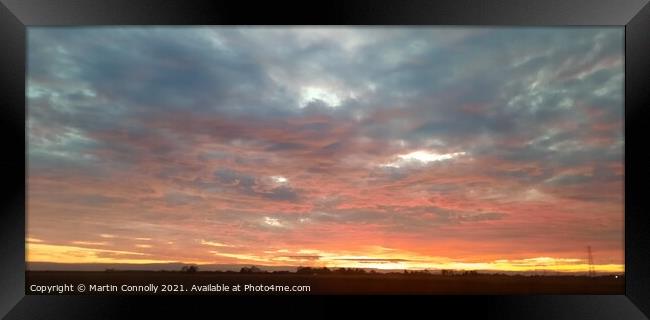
x: 17, y: 15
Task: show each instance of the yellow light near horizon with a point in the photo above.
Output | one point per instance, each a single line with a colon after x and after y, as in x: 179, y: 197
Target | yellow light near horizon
x: 40, y: 252
x: 37, y: 252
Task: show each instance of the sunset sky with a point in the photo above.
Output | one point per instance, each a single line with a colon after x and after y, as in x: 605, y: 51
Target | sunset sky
x: 393, y: 148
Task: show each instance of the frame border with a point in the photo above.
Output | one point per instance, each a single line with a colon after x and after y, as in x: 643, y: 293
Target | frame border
x: 17, y: 15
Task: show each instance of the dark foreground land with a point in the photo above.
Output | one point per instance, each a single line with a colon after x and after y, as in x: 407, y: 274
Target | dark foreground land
x: 142, y: 282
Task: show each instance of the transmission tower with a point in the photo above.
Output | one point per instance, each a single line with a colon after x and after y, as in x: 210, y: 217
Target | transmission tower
x: 590, y: 258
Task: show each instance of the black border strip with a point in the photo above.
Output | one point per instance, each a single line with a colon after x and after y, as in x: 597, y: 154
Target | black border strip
x: 332, y: 12
x: 12, y: 161
x: 637, y: 217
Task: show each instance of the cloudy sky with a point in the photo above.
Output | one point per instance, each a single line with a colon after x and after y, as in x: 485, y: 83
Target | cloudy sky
x: 474, y: 148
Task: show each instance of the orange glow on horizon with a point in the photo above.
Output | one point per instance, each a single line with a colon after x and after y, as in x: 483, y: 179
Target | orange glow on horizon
x: 39, y: 252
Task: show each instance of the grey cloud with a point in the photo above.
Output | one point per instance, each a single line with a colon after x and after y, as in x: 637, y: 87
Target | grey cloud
x: 165, y: 69
x: 250, y: 185
x: 404, y: 219
x: 178, y: 198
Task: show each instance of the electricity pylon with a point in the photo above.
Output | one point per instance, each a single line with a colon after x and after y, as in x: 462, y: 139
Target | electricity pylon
x: 590, y: 258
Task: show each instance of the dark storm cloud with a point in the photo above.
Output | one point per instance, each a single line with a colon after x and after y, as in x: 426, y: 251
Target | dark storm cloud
x: 163, y: 68
x: 168, y: 70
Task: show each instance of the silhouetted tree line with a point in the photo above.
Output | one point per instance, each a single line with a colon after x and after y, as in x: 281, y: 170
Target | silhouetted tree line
x: 352, y: 271
x: 252, y: 269
x: 310, y: 270
x: 325, y: 270
x: 417, y: 272
x: 189, y: 269
x: 458, y: 273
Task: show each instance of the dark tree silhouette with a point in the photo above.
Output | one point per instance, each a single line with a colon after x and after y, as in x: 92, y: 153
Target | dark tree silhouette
x: 190, y: 269
x: 447, y: 272
x: 252, y: 269
x: 310, y: 270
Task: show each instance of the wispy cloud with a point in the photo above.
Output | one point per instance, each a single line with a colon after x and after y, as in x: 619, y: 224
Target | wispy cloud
x: 215, y: 244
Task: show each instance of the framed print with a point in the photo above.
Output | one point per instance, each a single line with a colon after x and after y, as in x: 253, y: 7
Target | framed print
x: 432, y: 155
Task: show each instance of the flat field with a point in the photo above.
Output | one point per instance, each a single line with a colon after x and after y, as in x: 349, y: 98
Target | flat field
x: 394, y: 283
